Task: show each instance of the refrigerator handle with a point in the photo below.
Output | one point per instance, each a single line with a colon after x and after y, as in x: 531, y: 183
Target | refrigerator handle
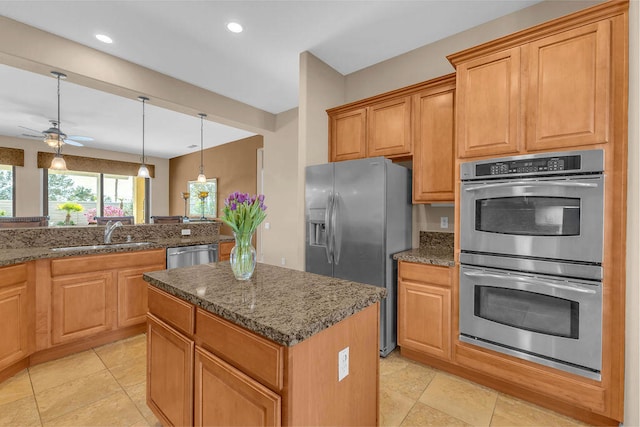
x: 329, y: 230
x: 336, y: 229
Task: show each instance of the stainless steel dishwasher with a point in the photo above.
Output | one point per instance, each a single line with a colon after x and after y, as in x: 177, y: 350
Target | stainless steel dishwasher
x: 185, y: 256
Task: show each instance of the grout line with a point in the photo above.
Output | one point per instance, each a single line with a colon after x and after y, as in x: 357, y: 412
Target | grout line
x: 33, y: 394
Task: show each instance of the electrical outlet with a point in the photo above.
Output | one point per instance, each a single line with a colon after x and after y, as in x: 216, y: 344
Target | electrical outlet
x: 267, y: 225
x: 444, y: 222
x: 283, y: 261
x: 186, y: 231
x: 343, y: 363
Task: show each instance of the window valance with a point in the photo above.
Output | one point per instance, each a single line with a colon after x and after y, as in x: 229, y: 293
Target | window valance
x: 90, y: 164
x: 11, y: 156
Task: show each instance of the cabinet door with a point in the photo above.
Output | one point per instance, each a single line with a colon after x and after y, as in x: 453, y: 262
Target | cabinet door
x: 424, y: 312
x: 347, y: 134
x: 83, y: 305
x: 16, y: 327
x: 389, y: 128
x: 433, y: 150
x: 488, y: 105
x: 169, y: 374
x: 569, y: 88
x: 132, y: 295
x: 224, y: 396
x: 224, y: 250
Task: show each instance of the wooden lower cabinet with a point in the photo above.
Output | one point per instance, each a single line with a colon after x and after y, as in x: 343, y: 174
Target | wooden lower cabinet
x: 16, y: 314
x: 224, y: 250
x: 169, y: 373
x: 132, y: 295
x: 424, y: 309
x: 220, y: 387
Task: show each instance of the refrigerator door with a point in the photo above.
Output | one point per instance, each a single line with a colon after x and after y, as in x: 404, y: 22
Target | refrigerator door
x: 319, y: 197
x: 359, y: 221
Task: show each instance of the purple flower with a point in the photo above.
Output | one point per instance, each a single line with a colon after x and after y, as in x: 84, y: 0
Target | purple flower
x: 261, y: 198
x: 233, y: 206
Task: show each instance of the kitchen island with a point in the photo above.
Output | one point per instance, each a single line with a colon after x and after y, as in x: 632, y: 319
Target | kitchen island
x: 284, y: 348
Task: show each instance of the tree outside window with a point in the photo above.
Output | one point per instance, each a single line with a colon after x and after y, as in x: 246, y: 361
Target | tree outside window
x: 6, y: 190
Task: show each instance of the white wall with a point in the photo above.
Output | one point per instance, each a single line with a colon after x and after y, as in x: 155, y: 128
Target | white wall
x: 29, y: 178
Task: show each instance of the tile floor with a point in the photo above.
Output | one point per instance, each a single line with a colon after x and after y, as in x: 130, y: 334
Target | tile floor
x: 106, y: 386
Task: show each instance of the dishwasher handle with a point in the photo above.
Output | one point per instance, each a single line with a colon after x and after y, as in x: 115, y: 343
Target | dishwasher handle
x: 186, y: 251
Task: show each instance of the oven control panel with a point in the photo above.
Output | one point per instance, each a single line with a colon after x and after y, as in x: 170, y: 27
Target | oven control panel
x: 525, y: 166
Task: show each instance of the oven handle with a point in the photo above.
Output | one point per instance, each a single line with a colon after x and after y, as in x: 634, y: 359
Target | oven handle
x: 533, y: 184
x: 530, y: 281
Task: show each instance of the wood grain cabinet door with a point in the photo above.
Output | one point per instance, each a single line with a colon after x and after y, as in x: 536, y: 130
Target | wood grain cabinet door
x: 224, y: 396
x: 169, y: 374
x: 15, y: 315
x: 569, y: 88
x: 433, y: 150
x: 424, y: 309
x: 224, y: 250
x: 389, y: 128
x: 132, y: 295
x: 488, y: 105
x: 83, y: 305
x: 347, y: 135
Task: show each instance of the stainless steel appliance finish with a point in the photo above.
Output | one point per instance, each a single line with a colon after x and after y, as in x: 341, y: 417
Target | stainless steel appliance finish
x: 551, y: 320
x: 547, y: 216
x: 185, y: 256
x: 357, y: 215
x: 531, y: 248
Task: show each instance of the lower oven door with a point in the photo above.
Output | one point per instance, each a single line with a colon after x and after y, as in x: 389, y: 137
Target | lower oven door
x: 550, y: 320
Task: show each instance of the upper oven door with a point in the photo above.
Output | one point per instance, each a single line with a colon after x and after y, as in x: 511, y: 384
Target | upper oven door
x: 556, y: 217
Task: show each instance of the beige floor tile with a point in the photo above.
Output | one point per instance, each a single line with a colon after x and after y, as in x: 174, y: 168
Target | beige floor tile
x: 63, y: 370
x: 512, y: 412
x: 23, y: 412
x: 15, y: 388
x: 393, y: 362
x: 423, y: 415
x: 138, y: 393
x: 394, y: 407
x: 132, y: 372
x: 70, y: 396
x: 123, y: 351
x: 410, y: 380
x: 461, y: 399
x: 114, y: 410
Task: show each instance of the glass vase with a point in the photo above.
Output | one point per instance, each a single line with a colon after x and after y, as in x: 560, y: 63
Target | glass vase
x: 243, y: 256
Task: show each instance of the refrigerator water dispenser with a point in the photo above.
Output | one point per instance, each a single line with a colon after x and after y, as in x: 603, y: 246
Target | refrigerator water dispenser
x: 317, y: 227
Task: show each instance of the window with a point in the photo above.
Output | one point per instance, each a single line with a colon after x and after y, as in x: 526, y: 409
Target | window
x: 203, y: 206
x: 75, y: 198
x: 7, y: 188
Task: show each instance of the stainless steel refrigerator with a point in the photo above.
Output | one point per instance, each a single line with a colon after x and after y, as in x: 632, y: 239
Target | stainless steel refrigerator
x: 357, y: 215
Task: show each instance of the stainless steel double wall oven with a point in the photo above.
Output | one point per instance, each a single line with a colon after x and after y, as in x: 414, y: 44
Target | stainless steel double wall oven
x: 531, y: 240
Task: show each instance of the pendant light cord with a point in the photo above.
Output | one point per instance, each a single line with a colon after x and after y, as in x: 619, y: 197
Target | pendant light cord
x: 143, y: 101
x: 201, y: 143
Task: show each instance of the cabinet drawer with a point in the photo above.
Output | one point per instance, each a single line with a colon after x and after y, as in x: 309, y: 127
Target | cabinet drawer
x: 432, y: 274
x: 172, y: 310
x: 255, y: 356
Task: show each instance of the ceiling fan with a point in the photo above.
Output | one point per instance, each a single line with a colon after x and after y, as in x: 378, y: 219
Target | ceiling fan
x: 76, y: 140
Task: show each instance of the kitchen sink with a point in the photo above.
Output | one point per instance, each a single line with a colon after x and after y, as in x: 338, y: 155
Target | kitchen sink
x: 97, y: 247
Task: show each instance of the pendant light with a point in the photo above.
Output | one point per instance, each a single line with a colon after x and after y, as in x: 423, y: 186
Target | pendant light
x: 53, y: 136
x: 143, y: 171
x: 202, y: 177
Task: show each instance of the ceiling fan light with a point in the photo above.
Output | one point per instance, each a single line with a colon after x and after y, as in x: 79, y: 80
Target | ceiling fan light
x: 58, y: 163
x: 143, y: 171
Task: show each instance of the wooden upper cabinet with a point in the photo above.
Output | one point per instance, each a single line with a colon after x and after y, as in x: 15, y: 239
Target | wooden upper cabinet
x: 569, y: 88
x: 433, y: 146
x: 488, y: 105
x: 347, y: 135
x: 389, y: 128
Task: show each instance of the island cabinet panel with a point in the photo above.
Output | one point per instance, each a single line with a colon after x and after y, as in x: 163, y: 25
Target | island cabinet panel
x: 224, y: 396
x: 433, y: 147
x: 347, y: 135
x: 169, y: 373
x: 132, y: 295
x: 16, y: 314
x: 424, y: 309
x: 488, y: 105
x: 260, y: 358
x: 174, y: 311
x: 389, y: 128
x: 224, y: 250
x: 569, y: 88
x: 83, y: 305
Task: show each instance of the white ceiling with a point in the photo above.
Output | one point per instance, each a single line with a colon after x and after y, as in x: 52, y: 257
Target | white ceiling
x: 188, y: 40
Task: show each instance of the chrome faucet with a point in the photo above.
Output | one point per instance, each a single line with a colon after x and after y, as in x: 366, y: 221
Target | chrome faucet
x: 108, y: 230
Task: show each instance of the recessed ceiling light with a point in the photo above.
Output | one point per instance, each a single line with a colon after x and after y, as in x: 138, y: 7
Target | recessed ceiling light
x: 234, y: 27
x: 104, y: 39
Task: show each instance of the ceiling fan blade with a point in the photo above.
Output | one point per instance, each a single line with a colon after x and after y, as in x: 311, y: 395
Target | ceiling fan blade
x: 72, y: 142
x: 32, y: 136
x: 80, y: 138
x: 32, y: 130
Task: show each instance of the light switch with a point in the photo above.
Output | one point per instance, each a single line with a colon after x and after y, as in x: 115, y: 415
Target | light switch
x: 343, y: 363
x: 444, y: 222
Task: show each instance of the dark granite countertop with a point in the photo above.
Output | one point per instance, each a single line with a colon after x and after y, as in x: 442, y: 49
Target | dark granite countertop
x: 283, y: 305
x: 435, y: 249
